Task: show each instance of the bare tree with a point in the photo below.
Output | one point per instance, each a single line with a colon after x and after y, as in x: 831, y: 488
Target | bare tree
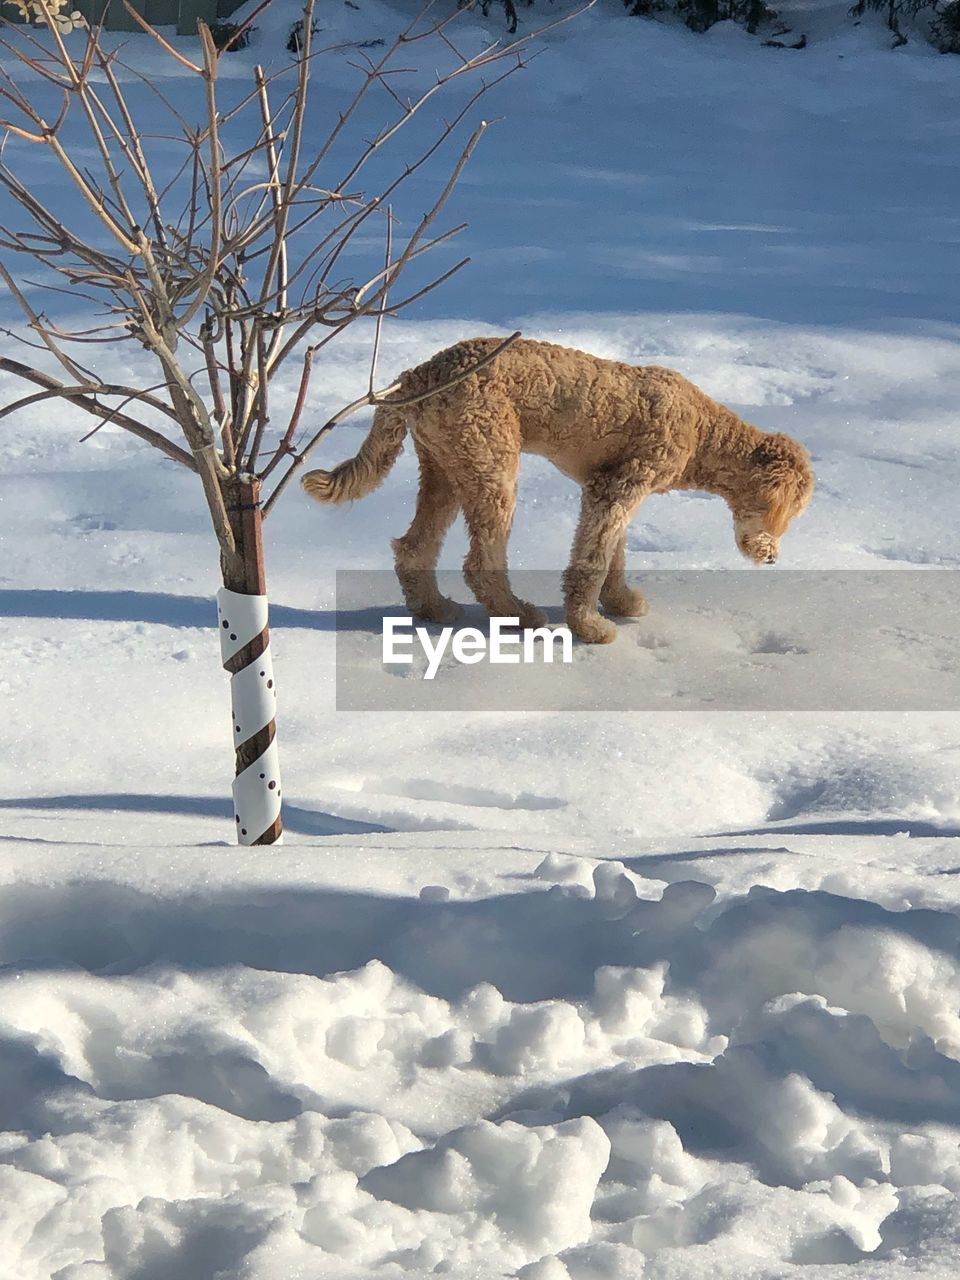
x: 226, y: 266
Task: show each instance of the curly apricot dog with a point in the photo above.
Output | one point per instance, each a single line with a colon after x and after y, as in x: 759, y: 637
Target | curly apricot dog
x: 621, y: 432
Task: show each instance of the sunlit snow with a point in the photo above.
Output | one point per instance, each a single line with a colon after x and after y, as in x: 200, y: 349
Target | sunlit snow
x: 559, y: 996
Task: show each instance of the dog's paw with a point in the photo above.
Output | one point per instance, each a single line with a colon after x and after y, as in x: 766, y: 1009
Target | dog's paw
x: 441, y: 610
x: 527, y: 615
x: 530, y: 616
x: 627, y: 603
x: 592, y: 629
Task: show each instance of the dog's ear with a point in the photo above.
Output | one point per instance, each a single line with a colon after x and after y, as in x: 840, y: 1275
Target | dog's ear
x: 786, y: 479
x: 776, y: 449
x: 778, y: 458
x: 781, y: 499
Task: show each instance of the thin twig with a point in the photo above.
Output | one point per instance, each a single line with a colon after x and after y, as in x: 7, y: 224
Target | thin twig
x: 145, y: 433
x: 285, y: 443
x: 35, y: 323
x: 273, y: 160
x: 215, y: 181
x: 250, y: 464
x: 382, y: 311
x: 152, y: 31
x: 216, y: 390
x: 92, y: 388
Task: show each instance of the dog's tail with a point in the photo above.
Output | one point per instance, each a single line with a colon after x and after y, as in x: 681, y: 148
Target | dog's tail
x: 359, y: 476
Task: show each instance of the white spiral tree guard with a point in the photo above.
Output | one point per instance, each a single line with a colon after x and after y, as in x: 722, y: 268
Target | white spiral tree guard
x: 245, y: 650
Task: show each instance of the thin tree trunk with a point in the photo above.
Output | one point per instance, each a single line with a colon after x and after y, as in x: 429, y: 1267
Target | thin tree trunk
x: 245, y: 646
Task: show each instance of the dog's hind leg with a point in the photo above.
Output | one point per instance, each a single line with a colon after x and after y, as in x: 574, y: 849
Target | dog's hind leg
x: 488, y: 506
x: 416, y: 553
x: 609, y: 500
x: 616, y: 594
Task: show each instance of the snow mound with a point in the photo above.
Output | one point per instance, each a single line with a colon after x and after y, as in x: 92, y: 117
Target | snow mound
x: 744, y: 1082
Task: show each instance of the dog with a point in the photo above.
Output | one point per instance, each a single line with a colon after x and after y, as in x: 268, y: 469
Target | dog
x: 620, y: 431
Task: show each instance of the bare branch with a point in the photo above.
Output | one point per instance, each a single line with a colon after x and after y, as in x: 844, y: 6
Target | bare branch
x: 273, y: 160
x: 378, y: 328
x: 35, y: 323
x: 215, y: 178
x: 428, y: 288
x: 131, y: 143
x: 431, y: 214
x: 92, y: 388
x: 285, y: 446
x: 260, y: 401
x: 216, y: 390
x: 152, y: 31
x: 90, y: 405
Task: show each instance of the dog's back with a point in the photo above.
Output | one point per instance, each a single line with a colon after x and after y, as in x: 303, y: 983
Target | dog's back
x: 578, y: 410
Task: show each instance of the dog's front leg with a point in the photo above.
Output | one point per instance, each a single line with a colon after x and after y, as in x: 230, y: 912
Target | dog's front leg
x: 616, y: 594
x: 609, y: 501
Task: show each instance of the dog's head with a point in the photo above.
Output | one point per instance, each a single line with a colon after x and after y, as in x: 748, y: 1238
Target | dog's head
x: 777, y: 487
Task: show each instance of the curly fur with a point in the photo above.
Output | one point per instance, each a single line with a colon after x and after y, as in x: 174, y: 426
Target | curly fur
x: 622, y: 432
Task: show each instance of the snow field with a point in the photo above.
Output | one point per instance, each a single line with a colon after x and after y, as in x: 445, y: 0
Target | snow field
x: 582, y: 997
